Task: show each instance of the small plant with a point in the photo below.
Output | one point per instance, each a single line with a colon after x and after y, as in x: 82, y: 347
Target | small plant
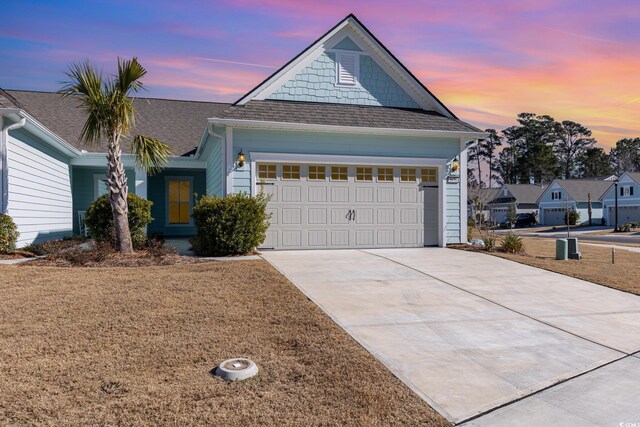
x: 232, y: 225
x: 99, y: 220
x: 633, y: 225
x: 489, y: 242
x: 8, y: 234
x: 512, y: 243
x: 573, y: 216
x: 469, y: 233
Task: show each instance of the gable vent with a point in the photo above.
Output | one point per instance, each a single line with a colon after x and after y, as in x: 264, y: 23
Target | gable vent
x: 347, y: 69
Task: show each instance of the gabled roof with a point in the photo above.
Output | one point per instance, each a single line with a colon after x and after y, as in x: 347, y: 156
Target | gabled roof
x: 352, y: 27
x: 320, y: 113
x: 177, y: 123
x: 525, y: 193
x: 580, y: 189
x: 634, y: 176
x: 485, y: 195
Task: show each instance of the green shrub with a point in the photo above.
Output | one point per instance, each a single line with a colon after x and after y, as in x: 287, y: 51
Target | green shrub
x: 489, y: 243
x: 99, y: 220
x: 633, y: 225
x: 231, y: 225
x: 512, y: 243
x: 574, y: 216
x: 8, y: 234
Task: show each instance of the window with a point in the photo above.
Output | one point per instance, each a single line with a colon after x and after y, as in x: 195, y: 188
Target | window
x: 626, y: 191
x: 338, y: 173
x: 99, y: 186
x: 429, y: 175
x: 267, y: 171
x: 347, y: 68
x: 385, y: 174
x: 317, y: 172
x: 364, y: 174
x: 556, y: 195
x: 290, y: 171
x: 179, y: 201
x: 407, y: 175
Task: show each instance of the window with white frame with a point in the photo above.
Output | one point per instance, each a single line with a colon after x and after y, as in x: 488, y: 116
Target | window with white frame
x: 626, y: 191
x: 347, y: 68
x: 556, y: 195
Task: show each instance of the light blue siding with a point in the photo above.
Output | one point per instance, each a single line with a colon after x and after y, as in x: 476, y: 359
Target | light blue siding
x: 215, y: 165
x: 347, y: 44
x: 317, y: 83
x: 452, y: 213
x: 546, y: 196
x: 39, y: 189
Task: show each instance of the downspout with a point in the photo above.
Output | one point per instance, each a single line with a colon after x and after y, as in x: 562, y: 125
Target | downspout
x: 224, y: 153
x: 4, y: 169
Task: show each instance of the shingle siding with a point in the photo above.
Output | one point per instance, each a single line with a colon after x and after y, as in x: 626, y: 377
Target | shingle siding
x: 317, y: 83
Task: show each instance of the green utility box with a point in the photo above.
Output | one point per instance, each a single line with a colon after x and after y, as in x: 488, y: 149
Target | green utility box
x: 562, y: 249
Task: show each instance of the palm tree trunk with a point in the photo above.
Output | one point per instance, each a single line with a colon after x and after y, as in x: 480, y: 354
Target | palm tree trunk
x: 117, y: 182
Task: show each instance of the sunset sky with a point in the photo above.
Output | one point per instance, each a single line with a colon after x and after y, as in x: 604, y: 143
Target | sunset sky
x: 486, y: 60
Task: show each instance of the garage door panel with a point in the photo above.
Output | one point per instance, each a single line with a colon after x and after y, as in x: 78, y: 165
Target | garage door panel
x: 340, y: 194
x: 317, y: 216
x: 385, y: 195
x: 364, y: 195
x: 339, y: 213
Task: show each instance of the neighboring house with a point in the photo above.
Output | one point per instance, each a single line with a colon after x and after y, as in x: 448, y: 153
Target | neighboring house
x: 354, y: 150
x: 480, y: 200
x: 573, y: 194
x: 628, y: 200
x: 523, y: 196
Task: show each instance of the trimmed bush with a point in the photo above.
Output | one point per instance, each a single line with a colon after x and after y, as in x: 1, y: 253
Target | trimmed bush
x: 99, y: 220
x: 574, y: 216
x: 232, y: 225
x: 489, y: 243
x: 512, y: 243
x: 8, y: 234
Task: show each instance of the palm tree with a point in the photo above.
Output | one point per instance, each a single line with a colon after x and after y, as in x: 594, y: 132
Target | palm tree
x: 108, y: 105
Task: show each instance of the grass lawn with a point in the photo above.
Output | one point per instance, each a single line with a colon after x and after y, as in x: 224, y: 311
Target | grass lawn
x: 595, y: 266
x: 135, y: 346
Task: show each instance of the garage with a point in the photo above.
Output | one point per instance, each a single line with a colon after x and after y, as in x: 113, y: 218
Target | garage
x: 554, y: 216
x: 625, y: 214
x: 317, y: 206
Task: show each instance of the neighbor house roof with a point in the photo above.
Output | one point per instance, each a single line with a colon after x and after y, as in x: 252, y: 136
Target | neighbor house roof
x: 485, y: 195
x: 525, y: 193
x: 579, y: 189
x: 634, y: 176
x: 320, y: 113
x: 177, y: 123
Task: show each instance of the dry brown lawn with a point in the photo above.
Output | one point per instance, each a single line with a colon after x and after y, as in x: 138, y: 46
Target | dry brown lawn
x: 135, y: 346
x: 595, y: 266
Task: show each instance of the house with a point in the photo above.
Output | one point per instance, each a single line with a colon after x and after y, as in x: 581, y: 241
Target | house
x: 523, y: 196
x: 574, y: 195
x: 479, y: 201
x: 353, y: 149
x: 628, y: 200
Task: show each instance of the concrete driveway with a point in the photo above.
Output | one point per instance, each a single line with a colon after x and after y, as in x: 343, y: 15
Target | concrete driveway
x: 484, y: 340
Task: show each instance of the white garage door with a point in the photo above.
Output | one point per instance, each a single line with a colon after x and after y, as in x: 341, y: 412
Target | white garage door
x: 344, y: 206
x: 554, y: 216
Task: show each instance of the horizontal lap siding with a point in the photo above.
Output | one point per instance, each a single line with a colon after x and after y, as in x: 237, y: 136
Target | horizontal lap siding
x: 215, y: 164
x: 39, y: 184
x: 452, y: 213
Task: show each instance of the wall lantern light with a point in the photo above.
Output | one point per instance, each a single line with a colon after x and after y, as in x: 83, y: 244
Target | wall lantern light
x: 456, y: 165
x: 240, y: 158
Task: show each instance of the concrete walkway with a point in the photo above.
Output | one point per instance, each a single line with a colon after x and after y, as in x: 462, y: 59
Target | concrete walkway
x: 472, y: 333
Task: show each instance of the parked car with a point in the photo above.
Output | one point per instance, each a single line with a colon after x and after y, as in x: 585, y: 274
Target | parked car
x: 522, y: 220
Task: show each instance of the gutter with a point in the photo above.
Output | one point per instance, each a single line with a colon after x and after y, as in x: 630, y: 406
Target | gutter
x: 4, y: 169
x: 290, y: 126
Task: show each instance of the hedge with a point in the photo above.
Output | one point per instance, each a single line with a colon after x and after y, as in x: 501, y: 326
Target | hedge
x: 8, y: 234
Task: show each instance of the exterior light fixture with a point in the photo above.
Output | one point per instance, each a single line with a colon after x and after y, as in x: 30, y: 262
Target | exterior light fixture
x: 240, y: 158
x: 456, y: 165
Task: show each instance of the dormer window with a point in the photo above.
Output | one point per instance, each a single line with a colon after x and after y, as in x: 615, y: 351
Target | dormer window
x: 556, y: 195
x: 348, y: 69
x: 626, y: 191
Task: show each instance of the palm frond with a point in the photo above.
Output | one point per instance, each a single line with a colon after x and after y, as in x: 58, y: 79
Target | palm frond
x: 151, y: 153
x: 130, y: 73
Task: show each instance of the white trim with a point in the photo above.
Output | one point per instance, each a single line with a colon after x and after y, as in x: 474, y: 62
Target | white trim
x: 289, y: 126
x: 229, y: 163
x: 463, y: 190
x: 129, y: 161
x: 141, y: 182
x: 442, y: 199
x: 96, y: 186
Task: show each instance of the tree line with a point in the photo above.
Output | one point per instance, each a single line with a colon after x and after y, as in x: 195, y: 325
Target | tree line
x: 541, y: 149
